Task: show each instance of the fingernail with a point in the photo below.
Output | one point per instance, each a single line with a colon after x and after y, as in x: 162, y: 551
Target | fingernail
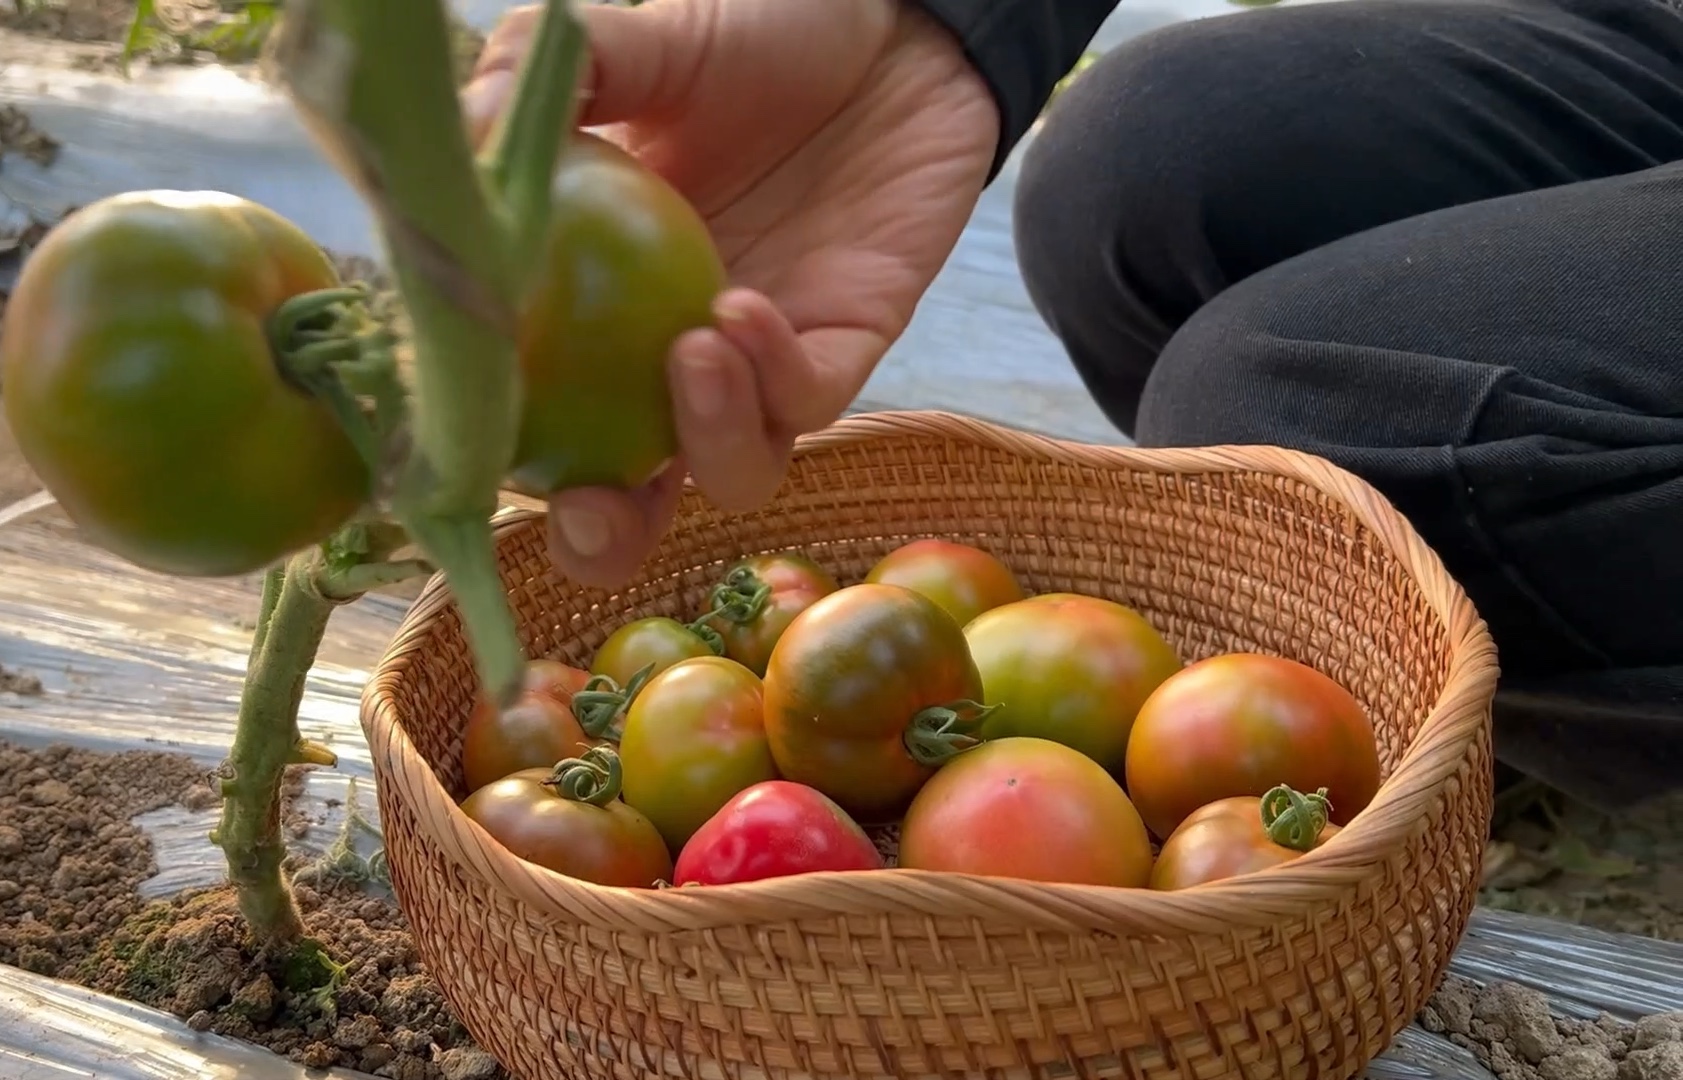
x: 484, y: 98
x: 704, y: 385
x: 729, y: 308
x: 585, y: 531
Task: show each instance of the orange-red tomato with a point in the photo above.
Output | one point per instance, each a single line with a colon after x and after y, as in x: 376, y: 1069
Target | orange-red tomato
x: 694, y: 737
x: 965, y: 581
x: 1242, y: 724
x: 757, y: 600
x: 571, y: 820
x: 1073, y: 669
x: 1238, y: 836
x: 1031, y: 809
x: 535, y: 732
x: 868, y: 691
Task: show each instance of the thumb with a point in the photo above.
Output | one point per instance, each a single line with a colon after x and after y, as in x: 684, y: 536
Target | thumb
x: 642, y: 59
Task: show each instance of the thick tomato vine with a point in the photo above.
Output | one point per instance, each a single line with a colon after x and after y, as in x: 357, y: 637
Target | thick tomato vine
x: 869, y: 691
x: 631, y: 267
x: 145, y: 370
x: 570, y: 819
x: 757, y: 600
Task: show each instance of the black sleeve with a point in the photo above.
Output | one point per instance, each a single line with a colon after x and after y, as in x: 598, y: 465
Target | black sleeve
x: 1021, y: 48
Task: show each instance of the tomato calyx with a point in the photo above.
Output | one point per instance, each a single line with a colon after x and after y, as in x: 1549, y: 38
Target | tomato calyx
x: 940, y: 733
x: 328, y: 344
x: 740, y: 598
x: 701, y: 629
x: 1295, y: 820
x: 600, y: 706
x: 594, y: 777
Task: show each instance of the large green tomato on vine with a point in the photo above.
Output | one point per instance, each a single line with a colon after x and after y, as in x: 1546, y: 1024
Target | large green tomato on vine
x: 142, y: 384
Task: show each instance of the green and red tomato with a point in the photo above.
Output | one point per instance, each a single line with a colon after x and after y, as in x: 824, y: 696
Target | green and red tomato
x: 757, y: 600
x: 537, y: 731
x: 774, y: 829
x: 569, y: 819
x: 647, y: 647
x: 694, y: 737
x: 868, y: 691
x: 143, y: 388
x: 965, y: 581
x: 1241, y: 835
x: 1073, y: 669
x: 630, y: 268
x: 1242, y: 724
x: 1031, y: 809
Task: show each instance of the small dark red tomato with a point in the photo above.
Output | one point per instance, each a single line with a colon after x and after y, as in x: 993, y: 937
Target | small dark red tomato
x: 1242, y: 724
x: 570, y: 820
x: 653, y: 644
x: 1031, y: 809
x: 1241, y: 835
x: 963, y: 580
x: 1073, y: 669
x: 757, y: 600
x: 774, y: 829
x: 535, y: 732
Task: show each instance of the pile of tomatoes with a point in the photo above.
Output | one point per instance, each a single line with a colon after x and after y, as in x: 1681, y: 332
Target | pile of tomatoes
x: 1048, y: 738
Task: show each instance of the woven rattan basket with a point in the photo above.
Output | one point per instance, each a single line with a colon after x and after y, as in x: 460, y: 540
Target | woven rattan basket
x: 1307, y: 970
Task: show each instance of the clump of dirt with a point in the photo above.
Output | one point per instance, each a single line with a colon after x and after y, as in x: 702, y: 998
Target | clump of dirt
x: 1511, y: 1031
x: 381, y: 1013
x: 21, y: 683
x: 70, y: 858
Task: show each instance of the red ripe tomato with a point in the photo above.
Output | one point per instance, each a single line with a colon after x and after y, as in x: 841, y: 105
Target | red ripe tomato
x: 647, y: 647
x: 694, y: 737
x: 1030, y: 809
x: 1073, y: 669
x: 1241, y: 835
x: 774, y: 829
x: 570, y: 819
x: 1243, y: 724
x: 534, y: 733
x: 965, y: 581
x: 869, y: 690
x: 758, y: 598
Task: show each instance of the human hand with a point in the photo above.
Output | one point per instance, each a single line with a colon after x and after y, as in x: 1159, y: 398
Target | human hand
x: 836, y: 151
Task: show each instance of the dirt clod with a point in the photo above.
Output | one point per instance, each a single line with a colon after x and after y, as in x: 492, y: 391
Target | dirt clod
x: 20, y: 683
x: 1511, y: 1031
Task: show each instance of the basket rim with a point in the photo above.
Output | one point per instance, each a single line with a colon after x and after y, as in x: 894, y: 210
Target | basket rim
x: 1457, y: 719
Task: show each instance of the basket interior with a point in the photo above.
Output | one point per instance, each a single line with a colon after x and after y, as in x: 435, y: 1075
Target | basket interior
x: 1219, y: 561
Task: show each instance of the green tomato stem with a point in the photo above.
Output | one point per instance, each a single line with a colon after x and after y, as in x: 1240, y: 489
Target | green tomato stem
x: 602, y: 703
x: 940, y: 733
x: 266, y: 741
x: 527, y: 142
x: 595, y: 777
x: 703, y: 629
x: 1295, y: 820
x: 740, y: 598
x: 462, y: 548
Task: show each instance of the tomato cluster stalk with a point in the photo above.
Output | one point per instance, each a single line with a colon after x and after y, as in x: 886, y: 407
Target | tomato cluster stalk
x: 435, y: 416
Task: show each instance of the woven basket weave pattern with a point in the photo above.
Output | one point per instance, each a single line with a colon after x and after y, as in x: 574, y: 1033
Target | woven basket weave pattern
x: 1306, y: 972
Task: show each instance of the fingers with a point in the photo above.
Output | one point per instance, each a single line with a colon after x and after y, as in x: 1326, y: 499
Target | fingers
x: 640, y: 59
x: 601, y: 537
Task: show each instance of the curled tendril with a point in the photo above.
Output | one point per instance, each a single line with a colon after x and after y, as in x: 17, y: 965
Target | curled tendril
x: 739, y: 598
x: 1295, y: 820
x: 601, y: 705
x: 942, y: 732
x: 703, y: 629
x: 594, y: 777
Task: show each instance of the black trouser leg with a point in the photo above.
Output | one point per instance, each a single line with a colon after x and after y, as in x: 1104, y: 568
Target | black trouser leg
x: 1374, y: 230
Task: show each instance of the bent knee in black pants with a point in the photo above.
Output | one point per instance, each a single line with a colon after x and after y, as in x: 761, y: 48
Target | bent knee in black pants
x: 1441, y: 245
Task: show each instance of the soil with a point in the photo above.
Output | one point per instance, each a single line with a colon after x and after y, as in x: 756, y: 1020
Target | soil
x: 1510, y: 1030
x: 71, y: 862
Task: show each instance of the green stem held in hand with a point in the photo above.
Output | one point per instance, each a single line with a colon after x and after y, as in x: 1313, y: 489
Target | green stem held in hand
x: 372, y: 79
x: 942, y: 732
x: 1295, y: 820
